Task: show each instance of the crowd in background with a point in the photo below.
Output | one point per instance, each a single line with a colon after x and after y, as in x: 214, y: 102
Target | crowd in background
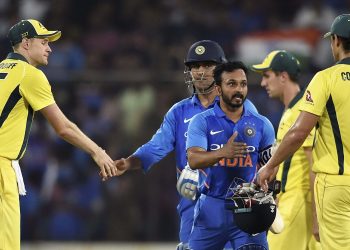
x: 115, y: 72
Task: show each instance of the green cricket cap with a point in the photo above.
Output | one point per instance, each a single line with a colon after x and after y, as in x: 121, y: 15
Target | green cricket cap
x: 31, y: 28
x: 279, y: 60
x: 340, y: 26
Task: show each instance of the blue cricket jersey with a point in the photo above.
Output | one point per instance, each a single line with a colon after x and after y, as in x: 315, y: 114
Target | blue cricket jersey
x: 172, y: 135
x: 211, y: 130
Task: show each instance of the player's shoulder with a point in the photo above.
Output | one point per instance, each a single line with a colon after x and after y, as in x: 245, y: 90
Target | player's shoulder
x: 328, y: 72
x: 263, y: 120
x: 248, y: 105
x: 181, y: 106
x: 206, y: 113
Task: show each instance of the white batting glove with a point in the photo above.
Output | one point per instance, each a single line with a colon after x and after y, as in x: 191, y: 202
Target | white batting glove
x: 187, y: 184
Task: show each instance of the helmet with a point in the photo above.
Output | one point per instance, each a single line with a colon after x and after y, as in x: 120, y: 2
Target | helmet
x: 202, y: 51
x: 205, y: 51
x: 254, y: 211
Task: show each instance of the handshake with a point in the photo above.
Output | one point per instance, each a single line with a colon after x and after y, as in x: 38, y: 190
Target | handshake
x: 187, y: 183
x: 120, y: 167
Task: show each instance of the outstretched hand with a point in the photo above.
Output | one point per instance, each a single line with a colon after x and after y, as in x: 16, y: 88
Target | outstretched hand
x: 105, y: 163
x: 265, y: 175
x: 121, y: 166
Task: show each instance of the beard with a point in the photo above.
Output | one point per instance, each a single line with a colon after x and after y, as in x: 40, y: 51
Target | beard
x: 230, y: 101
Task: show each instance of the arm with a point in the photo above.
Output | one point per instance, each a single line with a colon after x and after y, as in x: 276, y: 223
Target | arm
x: 198, y: 158
x: 315, y: 229
x: 290, y: 143
x: 161, y: 144
x: 72, y: 134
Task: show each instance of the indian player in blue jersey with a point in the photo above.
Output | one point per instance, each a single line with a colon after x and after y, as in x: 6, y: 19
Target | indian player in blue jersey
x: 200, y: 61
x: 229, y: 142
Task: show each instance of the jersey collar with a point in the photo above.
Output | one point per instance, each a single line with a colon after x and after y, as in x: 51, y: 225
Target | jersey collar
x: 218, y: 111
x: 16, y: 56
x: 195, y: 101
x: 344, y: 61
x: 296, y: 98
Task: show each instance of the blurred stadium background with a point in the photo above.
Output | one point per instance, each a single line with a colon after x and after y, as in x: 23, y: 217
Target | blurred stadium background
x: 115, y: 72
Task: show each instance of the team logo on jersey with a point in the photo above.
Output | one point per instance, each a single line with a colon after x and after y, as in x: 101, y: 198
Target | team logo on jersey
x: 249, y: 131
x: 200, y: 50
x: 308, y: 97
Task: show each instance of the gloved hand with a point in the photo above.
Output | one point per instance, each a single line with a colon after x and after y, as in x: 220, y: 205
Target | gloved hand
x: 187, y: 184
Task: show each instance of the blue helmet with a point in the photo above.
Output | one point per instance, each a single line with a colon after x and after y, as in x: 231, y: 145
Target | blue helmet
x: 205, y: 51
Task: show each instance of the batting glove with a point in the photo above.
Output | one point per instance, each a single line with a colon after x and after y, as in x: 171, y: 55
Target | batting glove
x: 187, y: 184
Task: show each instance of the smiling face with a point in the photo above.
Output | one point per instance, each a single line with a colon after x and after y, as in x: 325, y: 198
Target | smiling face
x: 233, y: 88
x: 38, y: 51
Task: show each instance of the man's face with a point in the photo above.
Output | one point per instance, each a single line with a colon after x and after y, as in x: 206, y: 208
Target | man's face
x: 272, y: 83
x: 233, y: 89
x: 202, y: 76
x: 38, y: 51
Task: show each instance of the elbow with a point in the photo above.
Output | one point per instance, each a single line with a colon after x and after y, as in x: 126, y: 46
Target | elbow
x: 65, y: 131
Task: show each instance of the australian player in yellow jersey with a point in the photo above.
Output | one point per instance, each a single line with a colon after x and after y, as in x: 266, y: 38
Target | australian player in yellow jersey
x: 326, y: 103
x: 24, y: 89
x: 280, y: 72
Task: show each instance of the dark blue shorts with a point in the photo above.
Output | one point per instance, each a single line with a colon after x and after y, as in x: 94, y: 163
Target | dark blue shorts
x: 214, y: 227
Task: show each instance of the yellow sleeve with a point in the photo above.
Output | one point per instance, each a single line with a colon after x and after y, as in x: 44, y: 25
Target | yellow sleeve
x: 36, y: 90
x: 316, y: 95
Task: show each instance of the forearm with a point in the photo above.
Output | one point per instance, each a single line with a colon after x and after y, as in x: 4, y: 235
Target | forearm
x: 133, y: 163
x: 203, y: 159
x: 73, y: 135
x: 290, y: 143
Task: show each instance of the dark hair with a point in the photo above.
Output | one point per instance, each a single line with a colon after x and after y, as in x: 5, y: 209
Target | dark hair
x: 345, y: 42
x: 292, y: 77
x: 227, y: 67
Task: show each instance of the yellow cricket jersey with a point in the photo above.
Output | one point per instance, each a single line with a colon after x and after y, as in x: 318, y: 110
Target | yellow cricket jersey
x: 328, y: 96
x: 294, y: 172
x: 24, y: 89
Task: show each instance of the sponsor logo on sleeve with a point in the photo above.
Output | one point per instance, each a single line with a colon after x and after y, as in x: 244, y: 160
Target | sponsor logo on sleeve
x: 308, y: 97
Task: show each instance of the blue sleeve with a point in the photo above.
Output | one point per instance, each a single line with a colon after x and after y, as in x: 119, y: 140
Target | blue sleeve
x: 248, y: 105
x: 267, y: 141
x: 197, y: 133
x: 161, y: 144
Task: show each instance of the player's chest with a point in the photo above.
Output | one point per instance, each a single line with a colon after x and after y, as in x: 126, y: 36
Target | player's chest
x: 220, y: 132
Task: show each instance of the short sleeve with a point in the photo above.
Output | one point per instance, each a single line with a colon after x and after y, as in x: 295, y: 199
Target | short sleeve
x: 316, y: 95
x: 197, y: 133
x: 268, y: 135
x: 36, y: 90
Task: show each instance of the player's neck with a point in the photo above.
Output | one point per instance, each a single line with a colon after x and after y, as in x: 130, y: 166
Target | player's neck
x: 234, y: 114
x: 24, y: 53
x: 207, y: 99
x: 289, y: 92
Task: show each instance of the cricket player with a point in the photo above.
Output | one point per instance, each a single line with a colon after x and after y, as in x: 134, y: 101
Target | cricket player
x: 201, y: 59
x: 326, y: 105
x: 280, y: 72
x: 24, y: 89
x: 228, y: 141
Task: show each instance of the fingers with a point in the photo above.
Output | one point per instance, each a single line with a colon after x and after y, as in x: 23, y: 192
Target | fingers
x: 233, y: 137
x: 103, y: 174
